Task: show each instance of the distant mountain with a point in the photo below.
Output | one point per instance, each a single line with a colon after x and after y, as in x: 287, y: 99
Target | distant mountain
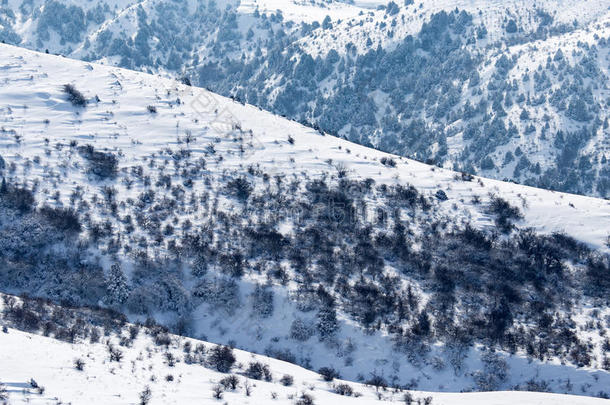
x: 509, y: 90
x: 159, y: 200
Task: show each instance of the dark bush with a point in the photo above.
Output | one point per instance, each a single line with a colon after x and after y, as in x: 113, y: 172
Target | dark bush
x: 23, y: 317
x: 466, y: 176
x: 343, y: 389
x: 377, y: 381
x: 598, y: 275
x: 230, y: 383
x: 258, y: 371
x: 475, y: 237
x: 79, y: 364
x: 262, y: 301
x: 145, y: 396
x: 102, y: 164
x: 17, y: 198
x: 301, y: 331
x: 329, y: 373
x: 504, y: 212
x: 281, y: 354
x: 287, y: 380
x: 441, y: 195
x: 388, y: 162
x: 162, y: 339
x: 74, y: 96
x: 64, y: 219
x: 115, y: 354
x: 305, y: 399
x: 221, y: 358
x: 240, y: 187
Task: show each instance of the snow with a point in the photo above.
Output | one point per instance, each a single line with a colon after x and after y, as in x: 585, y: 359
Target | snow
x: 50, y: 363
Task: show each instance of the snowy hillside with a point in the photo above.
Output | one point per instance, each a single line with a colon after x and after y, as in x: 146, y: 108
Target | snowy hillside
x: 38, y: 120
x: 233, y: 225
x: 121, y: 365
x: 509, y: 90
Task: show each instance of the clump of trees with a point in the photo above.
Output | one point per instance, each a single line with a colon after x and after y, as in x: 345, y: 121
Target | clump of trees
x: 16, y: 197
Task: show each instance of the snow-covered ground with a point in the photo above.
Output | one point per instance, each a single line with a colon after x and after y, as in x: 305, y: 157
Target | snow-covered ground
x: 49, y: 362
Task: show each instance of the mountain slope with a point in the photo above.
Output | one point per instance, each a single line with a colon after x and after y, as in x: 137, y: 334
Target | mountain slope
x: 32, y: 90
x: 175, y: 376
x: 507, y: 90
x: 225, y: 222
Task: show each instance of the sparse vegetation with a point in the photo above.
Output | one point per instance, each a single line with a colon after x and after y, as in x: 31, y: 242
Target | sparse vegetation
x: 79, y: 364
x: 145, y: 396
x: 189, y: 226
x: 74, y: 96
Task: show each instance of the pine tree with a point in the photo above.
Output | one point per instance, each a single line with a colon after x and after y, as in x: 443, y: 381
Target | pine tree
x: 116, y: 286
x: 577, y: 110
x: 327, y: 322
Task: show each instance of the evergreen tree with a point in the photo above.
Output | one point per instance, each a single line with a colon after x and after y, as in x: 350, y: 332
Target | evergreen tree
x: 117, y: 289
x: 327, y: 322
x: 511, y: 27
x: 327, y: 23
x: 577, y: 110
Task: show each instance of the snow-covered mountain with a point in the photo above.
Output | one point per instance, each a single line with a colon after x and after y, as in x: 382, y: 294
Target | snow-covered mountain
x: 233, y: 225
x: 510, y: 90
